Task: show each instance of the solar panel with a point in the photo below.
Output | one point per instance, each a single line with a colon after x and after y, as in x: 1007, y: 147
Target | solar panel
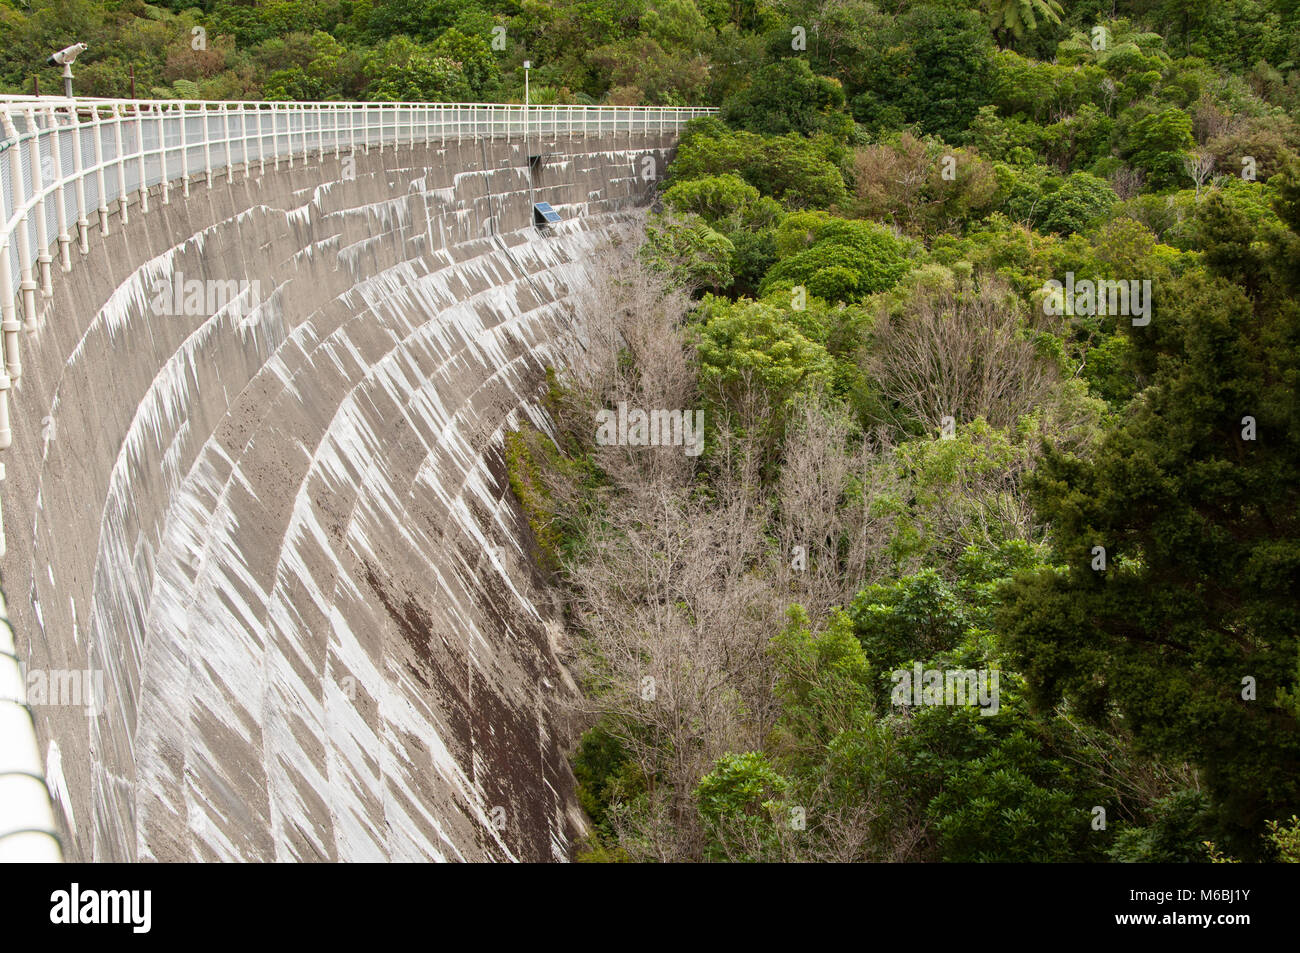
x: 543, y: 214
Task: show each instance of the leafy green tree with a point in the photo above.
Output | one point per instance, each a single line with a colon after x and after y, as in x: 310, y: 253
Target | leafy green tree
x: 931, y: 68
x: 696, y: 256
x: 473, y: 57
x: 798, y: 172
x: 405, y: 71
x: 750, y: 347
x: 1194, y: 497
x: 713, y: 197
x: 740, y: 805
x: 755, y: 254
x: 786, y: 96
x: 991, y: 787
x: 1010, y: 804
x: 824, y: 683
x: 676, y: 23
x: 417, y: 19
x: 1157, y: 144
x: 1176, y: 835
x: 1081, y: 201
x: 836, y: 259
x: 918, y: 617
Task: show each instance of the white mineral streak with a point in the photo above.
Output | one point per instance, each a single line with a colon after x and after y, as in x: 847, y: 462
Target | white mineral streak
x: 307, y: 595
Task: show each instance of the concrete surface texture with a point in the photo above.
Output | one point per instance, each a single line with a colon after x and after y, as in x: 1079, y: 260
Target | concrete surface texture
x: 279, y: 522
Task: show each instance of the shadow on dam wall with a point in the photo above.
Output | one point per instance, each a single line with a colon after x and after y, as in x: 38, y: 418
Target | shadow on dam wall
x: 282, y: 529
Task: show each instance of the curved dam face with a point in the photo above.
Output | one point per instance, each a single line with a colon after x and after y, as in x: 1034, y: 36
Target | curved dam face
x: 266, y: 504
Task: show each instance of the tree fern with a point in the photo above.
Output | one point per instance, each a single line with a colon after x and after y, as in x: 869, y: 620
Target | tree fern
x: 1018, y: 17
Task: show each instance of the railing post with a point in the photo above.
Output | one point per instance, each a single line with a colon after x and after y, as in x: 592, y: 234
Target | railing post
x: 207, y: 145
x: 42, y: 220
x: 352, y: 134
x: 261, y: 143
x: 230, y: 153
x: 185, y: 153
x: 26, y: 283
x: 9, y: 326
x: 243, y: 135
x: 79, y: 169
x: 121, y: 165
x: 6, y: 438
x: 61, y: 210
x: 338, y: 135
x: 99, y: 171
x: 143, y: 165
x: 162, y: 112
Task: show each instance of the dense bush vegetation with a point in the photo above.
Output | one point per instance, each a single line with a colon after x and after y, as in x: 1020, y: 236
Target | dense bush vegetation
x: 928, y: 450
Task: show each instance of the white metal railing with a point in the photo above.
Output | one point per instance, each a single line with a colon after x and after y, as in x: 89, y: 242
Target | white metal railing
x: 66, y: 164
x: 27, y: 828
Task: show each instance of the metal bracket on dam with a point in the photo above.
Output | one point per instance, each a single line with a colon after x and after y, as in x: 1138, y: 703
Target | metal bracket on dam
x: 270, y: 595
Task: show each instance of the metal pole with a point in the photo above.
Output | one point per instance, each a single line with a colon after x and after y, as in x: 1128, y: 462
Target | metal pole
x: 185, y: 155
x: 26, y: 282
x: 207, y: 144
x: 121, y: 165
x: 144, y: 168
x: 162, y: 153
x: 42, y: 221
x: 65, y: 240
x: 97, y: 128
x: 79, y: 167
x: 13, y: 369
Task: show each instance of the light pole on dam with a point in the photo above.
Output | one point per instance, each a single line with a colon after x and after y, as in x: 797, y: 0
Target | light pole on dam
x: 252, y: 437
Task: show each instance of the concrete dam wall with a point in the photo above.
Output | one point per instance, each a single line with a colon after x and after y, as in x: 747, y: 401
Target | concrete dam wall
x: 277, y: 528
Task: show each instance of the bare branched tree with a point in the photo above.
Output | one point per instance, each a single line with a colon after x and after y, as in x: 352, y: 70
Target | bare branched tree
x: 676, y: 622
x: 959, y: 354
x: 832, y: 537
x: 1126, y: 181
x: 1199, y: 165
